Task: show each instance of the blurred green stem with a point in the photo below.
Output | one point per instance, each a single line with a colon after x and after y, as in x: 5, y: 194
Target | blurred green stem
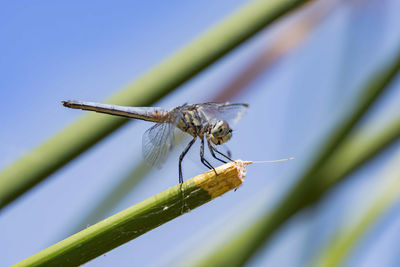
x: 358, y: 149
x: 241, y: 247
x: 81, y: 135
x: 345, y: 240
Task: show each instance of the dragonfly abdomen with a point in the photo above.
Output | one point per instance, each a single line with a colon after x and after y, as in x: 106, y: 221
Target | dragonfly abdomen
x: 142, y: 113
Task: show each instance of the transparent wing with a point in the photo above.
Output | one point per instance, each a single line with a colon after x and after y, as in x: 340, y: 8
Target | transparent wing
x: 157, y: 142
x: 224, y: 111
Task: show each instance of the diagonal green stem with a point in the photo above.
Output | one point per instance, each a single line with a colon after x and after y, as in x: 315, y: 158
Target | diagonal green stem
x: 65, y: 146
x: 356, y: 151
x: 114, y: 196
x: 140, y: 218
x: 336, y: 252
x: 238, y: 250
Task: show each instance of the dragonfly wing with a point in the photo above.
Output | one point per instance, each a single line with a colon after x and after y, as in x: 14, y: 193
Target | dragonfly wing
x: 157, y: 142
x: 231, y: 112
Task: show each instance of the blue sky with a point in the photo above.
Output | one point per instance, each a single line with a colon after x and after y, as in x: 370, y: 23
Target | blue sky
x: 89, y: 50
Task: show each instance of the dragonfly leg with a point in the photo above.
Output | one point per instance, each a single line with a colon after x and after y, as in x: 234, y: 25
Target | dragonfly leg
x: 203, y: 160
x: 181, y: 158
x: 222, y: 154
x: 212, y: 149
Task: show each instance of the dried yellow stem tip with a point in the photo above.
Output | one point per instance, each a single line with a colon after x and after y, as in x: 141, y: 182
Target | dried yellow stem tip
x: 230, y: 176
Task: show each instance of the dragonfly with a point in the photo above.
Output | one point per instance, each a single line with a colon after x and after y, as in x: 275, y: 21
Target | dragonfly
x: 208, y: 122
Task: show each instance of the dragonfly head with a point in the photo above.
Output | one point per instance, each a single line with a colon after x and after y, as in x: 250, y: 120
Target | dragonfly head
x: 220, y: 132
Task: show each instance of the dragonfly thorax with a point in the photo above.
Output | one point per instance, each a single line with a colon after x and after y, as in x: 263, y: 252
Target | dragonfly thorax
x: 220, y: 132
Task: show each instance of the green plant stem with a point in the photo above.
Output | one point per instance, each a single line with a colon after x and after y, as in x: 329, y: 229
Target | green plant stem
x: 140, y: 218
x: 65, y: 146
x: 358, y: 149
x: 345, y: 240
x: 114, y: 196
x: 241, y: 247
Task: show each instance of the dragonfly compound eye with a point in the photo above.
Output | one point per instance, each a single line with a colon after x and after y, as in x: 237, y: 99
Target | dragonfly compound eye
x: 220, y: 132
